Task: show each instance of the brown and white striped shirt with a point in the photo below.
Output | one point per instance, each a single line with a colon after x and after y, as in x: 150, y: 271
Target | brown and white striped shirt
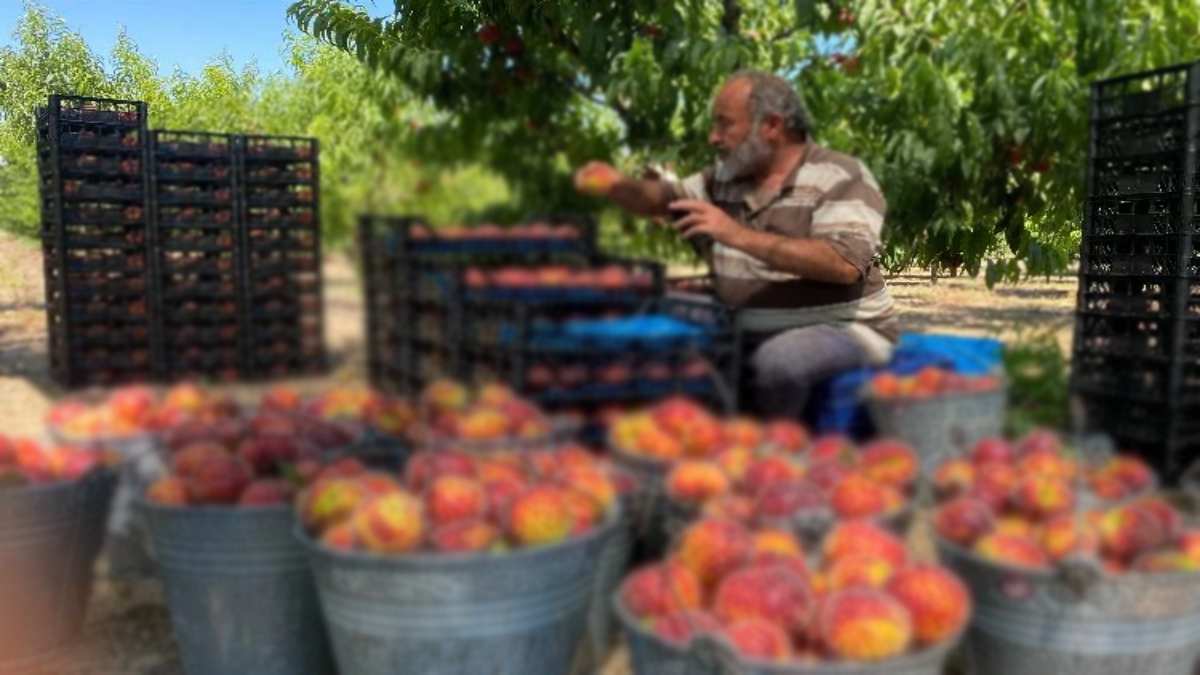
x: 829, y: 196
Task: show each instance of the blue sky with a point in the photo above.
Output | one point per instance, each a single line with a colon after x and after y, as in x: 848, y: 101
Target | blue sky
x: 183, y: 33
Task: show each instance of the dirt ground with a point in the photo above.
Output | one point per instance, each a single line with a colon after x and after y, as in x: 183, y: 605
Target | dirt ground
x: 128, y: 632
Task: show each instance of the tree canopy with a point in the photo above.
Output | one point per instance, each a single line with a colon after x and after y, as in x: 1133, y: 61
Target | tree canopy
x: 972, y: 113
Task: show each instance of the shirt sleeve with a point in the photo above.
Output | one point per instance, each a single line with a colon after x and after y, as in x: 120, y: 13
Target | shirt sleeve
x: 694, y: 186
x: 850, y: 218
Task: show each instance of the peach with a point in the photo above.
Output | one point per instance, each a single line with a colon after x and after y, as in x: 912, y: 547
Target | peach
x: 463, y: 536
x: 995, y: 483
x: 500, y: 493
x: 190, y: 457
x: 1167, y: 516
x: 329, y: 501
x: 1040, y: 440
x: 857, y: 496
x: 865, y: 625
x: 730, y: 507
x: 1166, y: 561
x: 680, y: 627
x: 219, y: 479
x: 281, y: 398
x: 346, y: 467
x: 596, y: 179
x: 783, y: 500
x: 1129, y: 530
x: 858, y: 570
x: 495, y: 394
x: 1189, y: 543
x: 1013, y: 550
x: 711, y: 548
x: 378, y: 483
x: 655, y: 442
x: 1068, y: 535
x: 1046, y: 464
x: 768, y: 591
x: 445, y: 395
x: 593, y: 482
x: 742, y: 432
x: 169, y: 491
x: 585, y: 512
x: 734, y: 462
x: 834, y: 447
x: 826, y: 474
x: 891, y: 463
x: 770, y: 469
x: 786, y: 436
x: 264, y: 454
x: 340, y: 537
x: 424, y: 466
x: 695, y: 482
x: 540, y: 516
x: 1016, y: 525
x: 858, y: 537
x: 990, y: 450
x: 450, y: 498
x: 954, y: 477
x: 482, y: 424
x: 391, y: 523
x: 74, y: 463
x: 885, y: 385
x: 132, y: 405
x: 777, y: 543
x: 661, y: 589
x: 937, y: 601
x: 266, y: 492
x: 759, y: 639
x: 1042, y: 496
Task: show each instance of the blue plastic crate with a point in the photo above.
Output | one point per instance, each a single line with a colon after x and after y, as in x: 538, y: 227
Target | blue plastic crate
x: 644, y: 332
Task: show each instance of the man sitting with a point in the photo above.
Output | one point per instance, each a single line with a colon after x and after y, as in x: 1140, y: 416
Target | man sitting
x: 791, y: 231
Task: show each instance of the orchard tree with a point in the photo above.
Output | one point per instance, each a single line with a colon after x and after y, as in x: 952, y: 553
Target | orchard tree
x: 972, y: 113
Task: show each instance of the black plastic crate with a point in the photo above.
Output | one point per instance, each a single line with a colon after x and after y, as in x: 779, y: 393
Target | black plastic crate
x: 280, y: 217
x: 541, y: 236
x: 197, y: 240
x: 88, y: 165
x: 1147, y: 215
x: 282, y: 239
x: 280, y: 195
x: 174, y: 147
x: 289, y: 149
x: 1135, y: 337
x: 1166, y: 435
x: 1134, y: 176
x: 300, y: 172
x: 1136, y: 377
x: 1134, y: 255
x: 103, y: 190
x: 196, y: 216
x: 1144, y: 297
x: 100, y: 214
x: 1155, y: 92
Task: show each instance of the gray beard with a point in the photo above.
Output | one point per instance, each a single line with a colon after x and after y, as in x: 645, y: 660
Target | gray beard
x: 745, y: 160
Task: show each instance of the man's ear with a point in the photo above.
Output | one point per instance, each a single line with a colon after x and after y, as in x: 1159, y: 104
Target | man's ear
x: 772, y: 128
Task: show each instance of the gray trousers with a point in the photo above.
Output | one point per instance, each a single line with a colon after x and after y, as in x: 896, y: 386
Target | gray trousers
x: 783, y: 367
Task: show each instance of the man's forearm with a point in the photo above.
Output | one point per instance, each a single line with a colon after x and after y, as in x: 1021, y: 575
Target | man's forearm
x: 809, y: 258
x: 642, y: 197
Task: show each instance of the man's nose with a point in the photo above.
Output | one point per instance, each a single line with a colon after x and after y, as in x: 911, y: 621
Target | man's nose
x: 714, y: 138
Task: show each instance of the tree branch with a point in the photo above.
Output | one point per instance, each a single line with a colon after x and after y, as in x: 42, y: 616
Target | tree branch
x: 731, y: 16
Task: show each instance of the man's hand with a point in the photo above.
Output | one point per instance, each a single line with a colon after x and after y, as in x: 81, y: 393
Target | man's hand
x: 596, y: 179
x: 702, y: 218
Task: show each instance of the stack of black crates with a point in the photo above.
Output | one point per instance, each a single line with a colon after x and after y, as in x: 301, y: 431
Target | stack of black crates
x: 433, y: 311
x: 173, y: 254
x: 95, y: 226
x: 1136, y: 369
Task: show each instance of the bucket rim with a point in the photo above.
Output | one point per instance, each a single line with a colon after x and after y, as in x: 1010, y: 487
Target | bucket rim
x: 629, y: 623
x: 634, y: 462
x: 1133, y: 575
x: 612, y: 521
x: 208, y: 510
x: 561, y: 429
x: 97, y: 474
x: 870, y: 398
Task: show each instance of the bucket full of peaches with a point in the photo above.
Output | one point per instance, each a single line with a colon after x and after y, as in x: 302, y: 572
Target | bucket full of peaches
x: 734, y: 600
x: 484, y: 418
x: 1077, y: 564
x: 54, y: 502
x: 804, y: 491
x: 936, y: 411
x: 649, y: 442
x: 481, y: 562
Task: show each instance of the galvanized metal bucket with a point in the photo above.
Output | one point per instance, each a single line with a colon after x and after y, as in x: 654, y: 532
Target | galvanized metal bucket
x: 239, y: 590
x: 1078, y: 621
x: 708, y: 655
x: 50, y: 536
x: 649, y: 506
x: 610, y: 569
x: 940, y: 427
x: 522, y: 612
x: 810, y: 528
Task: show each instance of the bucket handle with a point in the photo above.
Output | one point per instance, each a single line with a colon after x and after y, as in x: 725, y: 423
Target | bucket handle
x: 709, y: 654
x: 1189, y: 484
x: 1078, y: 576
